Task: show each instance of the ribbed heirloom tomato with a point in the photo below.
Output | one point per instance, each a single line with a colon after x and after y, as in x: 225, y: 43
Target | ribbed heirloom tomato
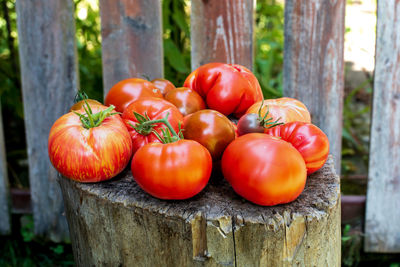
x: 229, y: 89
x: 154, y: 109
x: 90, y: 150
x: 308, y: 139
x: 264, y: 169
x: 126, y: 91
x: 285, y: 109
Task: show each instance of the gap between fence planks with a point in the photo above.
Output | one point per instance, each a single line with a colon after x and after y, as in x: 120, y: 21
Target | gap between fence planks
x: 47, y: 49
x: 382, y: 225
x: 131, y: 40
x: 313, y: 63
x: 5, y: 226
x: 222, y: 31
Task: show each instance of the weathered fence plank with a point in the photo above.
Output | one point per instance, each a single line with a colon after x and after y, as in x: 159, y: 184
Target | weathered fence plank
x: 313, y: 63
x: 131, y: 40
x: 5, y: 226
x: 47, y: 49
x: 222, y: 31
x: 383, y: 197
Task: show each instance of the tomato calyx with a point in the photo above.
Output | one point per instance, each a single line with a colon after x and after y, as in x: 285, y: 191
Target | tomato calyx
x: 90, y: 119
x: 145, y: 126
x: 264, y: 122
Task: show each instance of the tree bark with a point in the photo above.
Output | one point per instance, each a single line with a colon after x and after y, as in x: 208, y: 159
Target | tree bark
x: 116, y: 223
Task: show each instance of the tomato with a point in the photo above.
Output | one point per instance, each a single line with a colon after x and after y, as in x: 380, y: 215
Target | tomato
x: 229, y: 89
x: 163, y: 85
x: 285, y: 109
x: 154, y: 108
x: 249, y: 123
x: 308, y: 139
x: 211, y: 129
x: 264, y: 169
x: 177, y: 170
x: 79, y: 105
x: 126, y: 91
x: 186, y: 100
x: 89, y: 154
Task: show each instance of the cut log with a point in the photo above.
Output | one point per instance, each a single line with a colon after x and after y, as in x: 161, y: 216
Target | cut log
x: 115, y: 223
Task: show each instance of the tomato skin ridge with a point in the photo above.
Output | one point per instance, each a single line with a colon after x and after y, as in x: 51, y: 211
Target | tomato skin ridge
x: 308, y: 139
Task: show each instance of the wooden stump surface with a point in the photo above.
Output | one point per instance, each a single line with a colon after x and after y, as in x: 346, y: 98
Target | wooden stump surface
x: 116, y: 223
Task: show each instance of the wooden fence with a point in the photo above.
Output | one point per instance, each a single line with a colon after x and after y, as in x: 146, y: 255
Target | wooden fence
x: 220, y: 31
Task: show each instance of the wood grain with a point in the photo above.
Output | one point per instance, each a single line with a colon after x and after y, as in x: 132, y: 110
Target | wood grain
x: 214, y: 228
x: 383, y: 196
x: 132, y: 45
x: 47, y: 49
x: 222, y: 31
x: 313, y: 63
x: 5, y: 226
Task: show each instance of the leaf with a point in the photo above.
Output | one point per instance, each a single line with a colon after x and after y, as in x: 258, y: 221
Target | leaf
x: 179, y: 18
x: 174, y: 56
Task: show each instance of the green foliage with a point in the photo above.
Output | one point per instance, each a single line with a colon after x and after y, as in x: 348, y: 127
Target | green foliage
x: 355, y: 133
x: 88, y: 40
x: 269, y: 31
x: 176, y: 38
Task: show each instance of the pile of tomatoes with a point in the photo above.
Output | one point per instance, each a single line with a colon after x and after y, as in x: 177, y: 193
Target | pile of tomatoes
x: 174, y: 136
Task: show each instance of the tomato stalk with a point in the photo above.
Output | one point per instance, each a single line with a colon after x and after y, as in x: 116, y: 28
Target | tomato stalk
x: 80, y: 95
x: 90, y: 119
x: 145, y: 127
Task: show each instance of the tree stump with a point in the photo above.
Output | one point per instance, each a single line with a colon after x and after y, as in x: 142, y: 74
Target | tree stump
x: 115, y: 223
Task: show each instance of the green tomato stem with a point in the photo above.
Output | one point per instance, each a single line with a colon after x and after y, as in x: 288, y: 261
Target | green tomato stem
x: 90, y: 120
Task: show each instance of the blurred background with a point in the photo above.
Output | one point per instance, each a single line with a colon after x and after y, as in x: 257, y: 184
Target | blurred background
x: 23, y: 248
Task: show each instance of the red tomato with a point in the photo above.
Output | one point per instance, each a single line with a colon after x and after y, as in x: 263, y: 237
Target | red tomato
x: 308, y: 139
x: 264, y: 169
x: 186, y: 100
x: 229, y: 89
x: 285, y: 109
x: 89, y: 155
x: 126, y: 91
x: 211, y: 129
x: 155, y: 108
x: 176, y: 170
x: 163, y: 85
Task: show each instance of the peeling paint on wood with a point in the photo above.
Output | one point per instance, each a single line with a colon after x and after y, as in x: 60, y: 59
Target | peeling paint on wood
x: 382, y: 225
x: 214, y: 228
x: 47, y: 49
x: 131, y: 40
x: 313, y: 63
x: 222, y: 31
x: 5, y: 226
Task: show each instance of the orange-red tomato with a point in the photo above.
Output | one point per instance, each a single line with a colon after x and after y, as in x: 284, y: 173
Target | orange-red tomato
x: 126, y: 91
x: 308, y: 139
x: 285, y: 109
x: 155, y: 109
x: 89, y: 155
x: 163, y: 85
x: 264, y: 169
x: 177, y: 170
x: 229, y: 89
x: 211, y: 129
x: 79, y: 105
x: 186, y: 100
